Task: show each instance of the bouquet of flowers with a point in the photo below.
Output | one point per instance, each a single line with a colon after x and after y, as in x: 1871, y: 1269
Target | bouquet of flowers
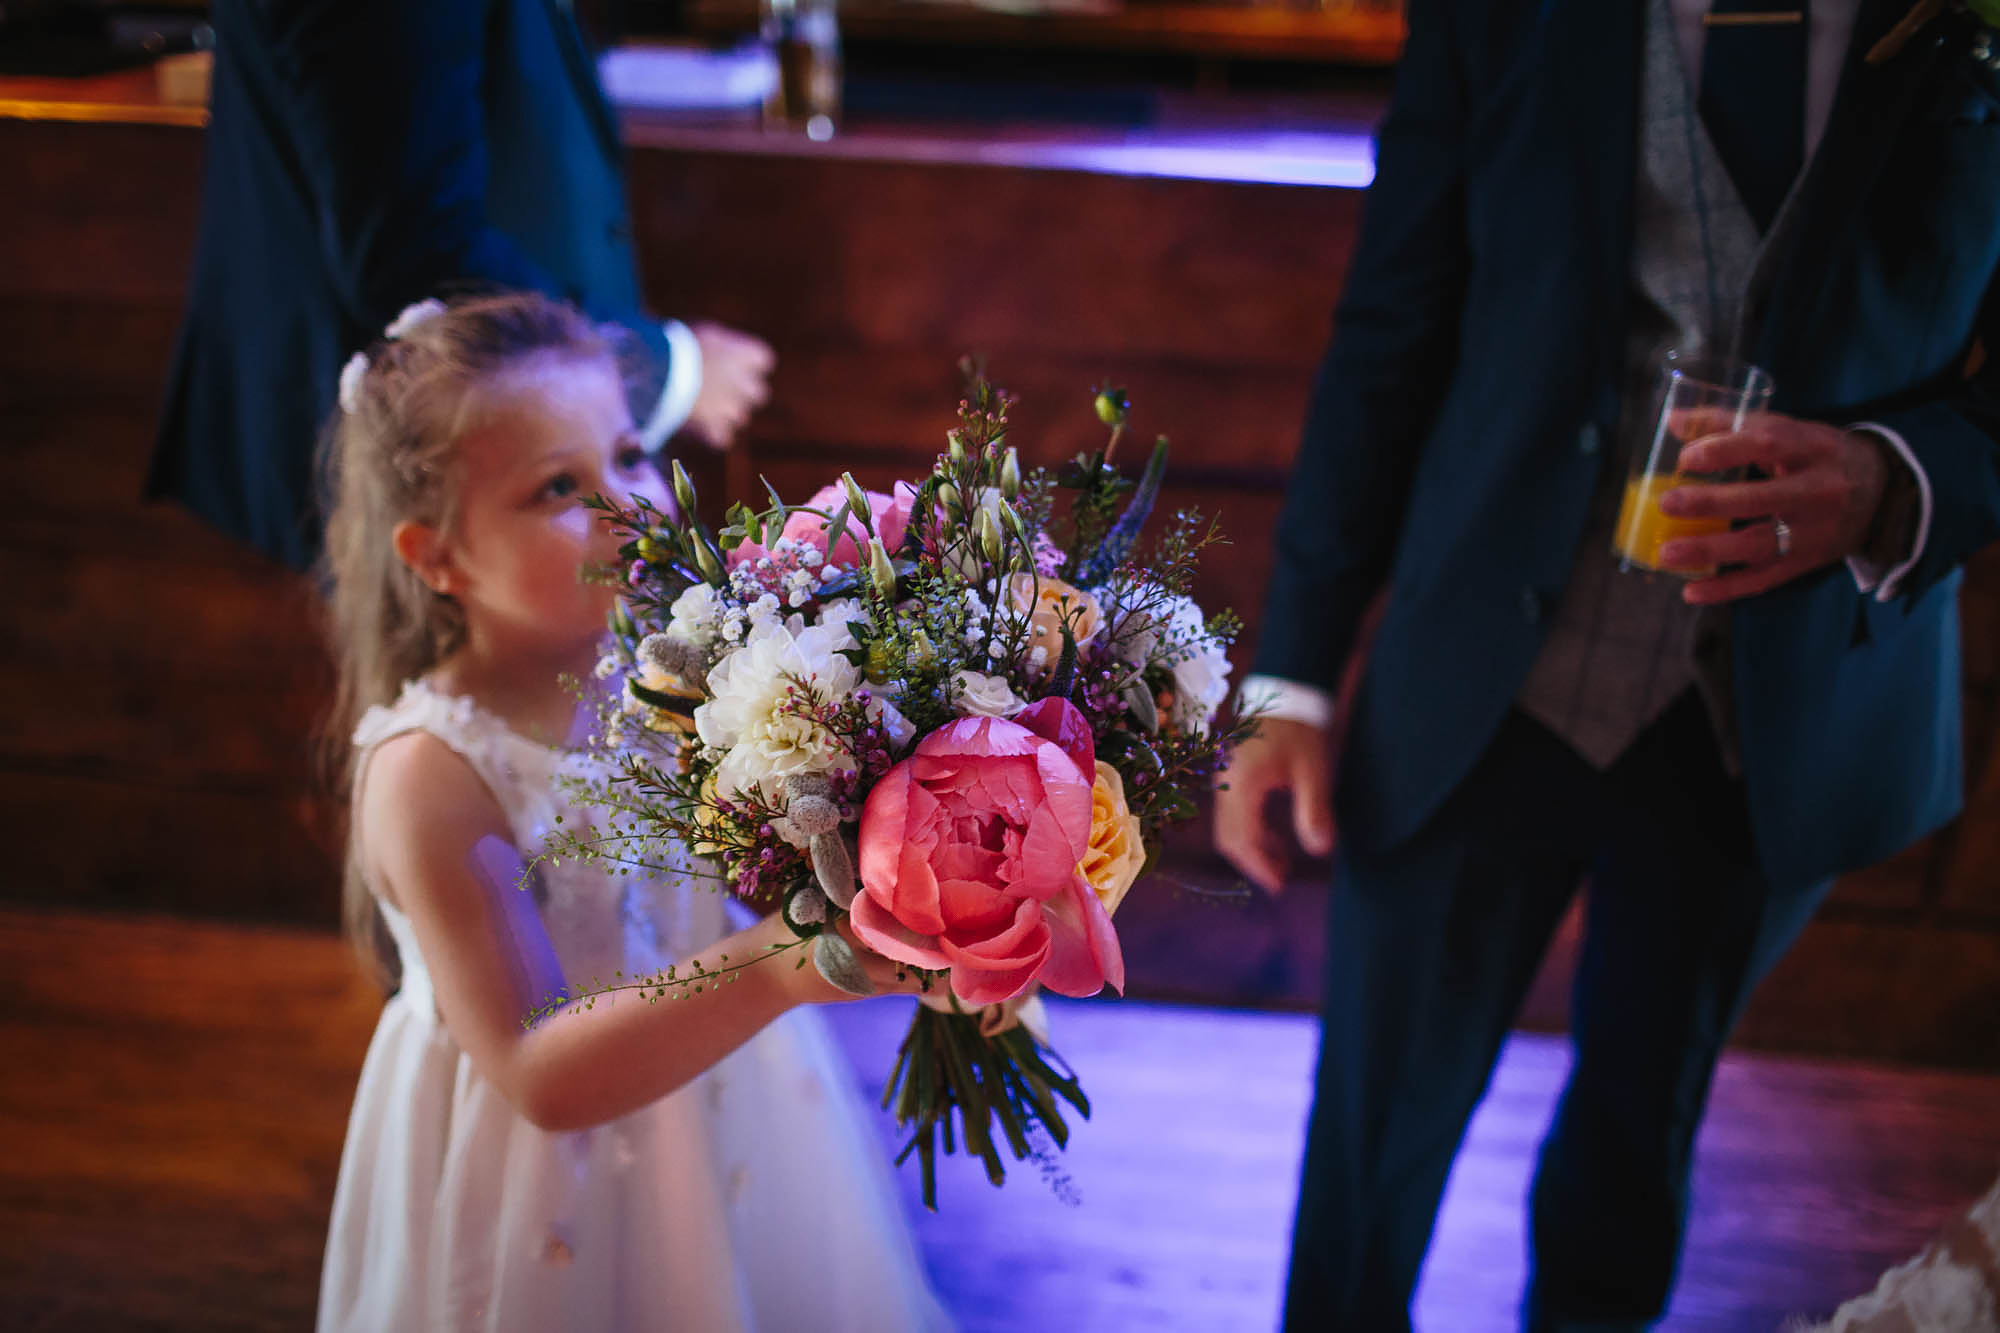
x: 948, y: 719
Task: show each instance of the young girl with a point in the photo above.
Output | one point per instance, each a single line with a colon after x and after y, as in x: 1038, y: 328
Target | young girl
x: 696, y: 1164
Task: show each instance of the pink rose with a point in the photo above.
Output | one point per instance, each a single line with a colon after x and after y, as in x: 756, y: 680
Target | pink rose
x: 889, y: 513
x: 970, y: 853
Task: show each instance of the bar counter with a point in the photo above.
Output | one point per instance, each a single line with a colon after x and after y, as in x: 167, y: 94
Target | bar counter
x: 163, y: 682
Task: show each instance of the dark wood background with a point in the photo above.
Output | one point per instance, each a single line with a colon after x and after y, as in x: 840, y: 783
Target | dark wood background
x: 160, y: 684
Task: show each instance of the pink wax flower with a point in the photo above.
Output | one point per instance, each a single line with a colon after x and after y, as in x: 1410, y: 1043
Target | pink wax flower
x: 889, y: 513
x: 969, y: 859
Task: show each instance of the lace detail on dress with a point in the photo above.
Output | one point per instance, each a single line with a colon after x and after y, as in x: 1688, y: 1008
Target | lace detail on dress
x: 601, y: 922
x: 1952, y: 1287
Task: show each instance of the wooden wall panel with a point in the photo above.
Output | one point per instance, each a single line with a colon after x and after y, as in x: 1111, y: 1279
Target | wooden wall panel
x: 161, y: 684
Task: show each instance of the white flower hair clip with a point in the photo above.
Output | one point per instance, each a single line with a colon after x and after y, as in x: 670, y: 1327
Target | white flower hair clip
x: 413, y: 316
x: 351, y: 376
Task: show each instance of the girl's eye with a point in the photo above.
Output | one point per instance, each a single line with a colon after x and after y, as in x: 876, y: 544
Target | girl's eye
x: 631, y: 458
x: 559, y: 487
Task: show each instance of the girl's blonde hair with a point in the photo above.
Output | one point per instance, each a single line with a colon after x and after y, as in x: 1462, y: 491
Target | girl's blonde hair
x: 388, y: 457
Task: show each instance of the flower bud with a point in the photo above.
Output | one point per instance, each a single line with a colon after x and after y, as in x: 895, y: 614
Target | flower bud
x: 856, y: 497
x: 955, y: 448
x: 1010, y: 475
x: 1113, y: 405
x: 683, y: 490
x: 706, y: 559
x: 1010, y: 518
x: 948, y: 497
x: 988, y: 533
x: 880, y: 572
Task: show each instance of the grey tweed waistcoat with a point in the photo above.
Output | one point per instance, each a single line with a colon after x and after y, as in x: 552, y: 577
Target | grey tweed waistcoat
x: 1622, y: 646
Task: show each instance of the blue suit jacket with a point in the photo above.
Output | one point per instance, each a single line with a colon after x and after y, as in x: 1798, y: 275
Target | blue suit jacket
x: 1451, y: 448
x: 363, y: 154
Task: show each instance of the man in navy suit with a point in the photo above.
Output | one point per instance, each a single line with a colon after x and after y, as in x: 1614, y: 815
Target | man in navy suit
x: 1566, y: 189
x: 363, y: 154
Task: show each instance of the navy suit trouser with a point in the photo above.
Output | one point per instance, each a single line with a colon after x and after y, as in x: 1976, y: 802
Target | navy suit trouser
x: 1431, y: 947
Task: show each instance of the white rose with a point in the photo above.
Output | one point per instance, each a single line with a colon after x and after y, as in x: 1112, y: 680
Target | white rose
x: 697, y: 616
x: 835, y: 617
x: 1136, y: 633
x: 979, y: 695
x: 1200, y: 669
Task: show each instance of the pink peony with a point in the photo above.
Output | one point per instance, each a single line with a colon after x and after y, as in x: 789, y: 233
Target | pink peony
x: 970, y: 853
x: 889, y: 513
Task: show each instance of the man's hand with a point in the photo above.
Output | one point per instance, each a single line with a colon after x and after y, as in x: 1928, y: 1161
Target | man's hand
x: 735, y: 370
x: 1282, y: 756
x: 1824, y: 482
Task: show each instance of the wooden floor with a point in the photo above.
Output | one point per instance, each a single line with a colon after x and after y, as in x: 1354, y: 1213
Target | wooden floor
x: 175, y: 1095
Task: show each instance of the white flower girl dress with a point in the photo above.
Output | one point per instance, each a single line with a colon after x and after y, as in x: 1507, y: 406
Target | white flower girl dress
x: 756, y: 1198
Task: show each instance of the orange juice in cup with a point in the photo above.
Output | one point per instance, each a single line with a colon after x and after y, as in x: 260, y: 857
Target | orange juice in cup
x: 1700, y: 396
x: 1643, y: 529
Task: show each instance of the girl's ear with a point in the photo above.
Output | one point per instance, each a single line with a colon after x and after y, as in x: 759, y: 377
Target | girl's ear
x: 420, y: 546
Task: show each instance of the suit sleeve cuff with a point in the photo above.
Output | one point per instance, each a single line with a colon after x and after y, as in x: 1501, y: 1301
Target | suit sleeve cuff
x: 1882, y: 580
x: 683, y: 384
x: 1285, y: 701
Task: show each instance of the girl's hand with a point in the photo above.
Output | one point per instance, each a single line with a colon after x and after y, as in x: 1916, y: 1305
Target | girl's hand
x: 805, y: 985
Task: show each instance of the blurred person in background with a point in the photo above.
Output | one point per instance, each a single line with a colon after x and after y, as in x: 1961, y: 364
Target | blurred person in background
x: 363, y: 154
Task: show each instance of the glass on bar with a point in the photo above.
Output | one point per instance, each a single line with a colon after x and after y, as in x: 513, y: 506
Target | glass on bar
x: 1700, y: 396
x: 805, y: 37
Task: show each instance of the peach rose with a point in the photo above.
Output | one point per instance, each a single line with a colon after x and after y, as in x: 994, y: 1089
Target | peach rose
x: 1048, y: 603
x: 1115, y: 855
x: 971, y: 853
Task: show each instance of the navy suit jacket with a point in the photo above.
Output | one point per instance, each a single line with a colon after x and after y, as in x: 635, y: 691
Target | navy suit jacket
x: 1452, y: 445
x: 363, y: 154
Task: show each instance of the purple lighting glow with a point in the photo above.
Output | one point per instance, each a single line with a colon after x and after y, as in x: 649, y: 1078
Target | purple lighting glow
x: 1341, y: 160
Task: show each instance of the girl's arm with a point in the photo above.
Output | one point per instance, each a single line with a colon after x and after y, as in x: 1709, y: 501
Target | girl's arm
x: 439, y: 842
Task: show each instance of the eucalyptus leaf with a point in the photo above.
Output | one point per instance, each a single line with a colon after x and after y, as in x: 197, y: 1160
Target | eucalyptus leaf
x: 778, y: 505
x: 836, y: 527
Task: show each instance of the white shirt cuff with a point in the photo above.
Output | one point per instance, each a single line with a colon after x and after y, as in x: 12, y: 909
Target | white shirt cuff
x: 1870, y: 577
x: 683, y: 385
x: 1284, y: 700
